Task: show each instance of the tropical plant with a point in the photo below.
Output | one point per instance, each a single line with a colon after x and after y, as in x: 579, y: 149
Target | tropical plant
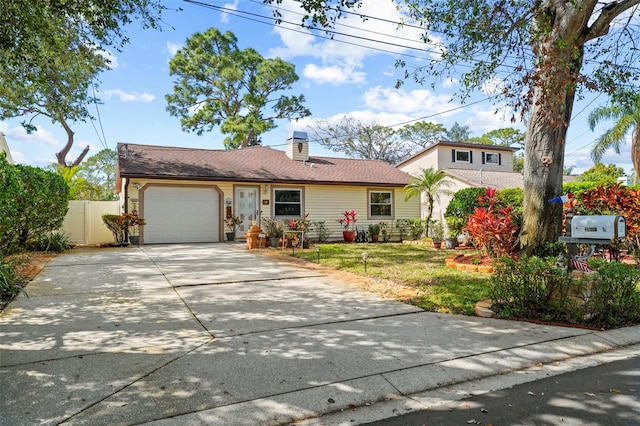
x: 374, y: 229
x: 121, y: 226
x: 274, y: 228
x: 436, y: 231
x: 217, y: 84
x: 627, y: 118
x: 320, y: 228
x: 432, y: 183
x: 492, y: 228
x: 233, y: 223
x: 348, y: 220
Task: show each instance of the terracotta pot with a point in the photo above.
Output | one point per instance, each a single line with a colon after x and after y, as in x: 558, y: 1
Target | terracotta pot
x: 349, y: 236
x: 375, y: 238
x: 437, y: 244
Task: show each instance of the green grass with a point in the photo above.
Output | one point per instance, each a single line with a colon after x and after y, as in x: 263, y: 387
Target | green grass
x: 414, y: 265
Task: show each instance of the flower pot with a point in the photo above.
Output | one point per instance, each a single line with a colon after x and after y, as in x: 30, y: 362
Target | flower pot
x: 274, y: 241
x: 450, y: 243
x: 349, y: 236
x: 437, y: 244
x: 375, y: 238
x: 134, y: 240
x: 231, y: 236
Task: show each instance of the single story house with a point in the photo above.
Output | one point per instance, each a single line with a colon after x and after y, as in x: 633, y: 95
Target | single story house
x: 468, y: 165
x: 185, y: 194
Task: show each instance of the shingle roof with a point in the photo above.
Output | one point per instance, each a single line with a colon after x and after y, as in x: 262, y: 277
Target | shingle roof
x: 487, y: 178
x: 253, y: 164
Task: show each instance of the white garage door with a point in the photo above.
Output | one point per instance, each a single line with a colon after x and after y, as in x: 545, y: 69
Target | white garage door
x: 178, y: 214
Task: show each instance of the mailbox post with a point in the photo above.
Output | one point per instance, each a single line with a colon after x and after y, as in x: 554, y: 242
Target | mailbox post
x: 592, y: 231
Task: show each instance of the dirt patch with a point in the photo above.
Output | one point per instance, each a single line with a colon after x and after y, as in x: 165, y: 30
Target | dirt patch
x: 28, y: 267
x: 470, y: 263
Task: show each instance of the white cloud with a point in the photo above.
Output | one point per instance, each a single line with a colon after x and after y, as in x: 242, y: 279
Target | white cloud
x: 486, y: 117
x: 128, y: 97
x: 418, y: 102
x: 449, y: 82
x: 224, y: 16
x: 173, y: 48
x: 332, y: 74
x: 354, y: 39
x: 41, y: 136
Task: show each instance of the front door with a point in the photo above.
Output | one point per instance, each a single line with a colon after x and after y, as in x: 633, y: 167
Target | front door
x: 247, y: 209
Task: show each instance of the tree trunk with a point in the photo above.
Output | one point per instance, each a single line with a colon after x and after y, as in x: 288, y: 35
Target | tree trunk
x: 61, y: 156
x: 551, y: 107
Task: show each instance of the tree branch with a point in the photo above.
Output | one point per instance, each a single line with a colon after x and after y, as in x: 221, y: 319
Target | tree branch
x: 609, y: 12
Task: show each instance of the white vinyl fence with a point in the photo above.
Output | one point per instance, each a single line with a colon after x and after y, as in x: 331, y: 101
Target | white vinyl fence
x: 83, y: 222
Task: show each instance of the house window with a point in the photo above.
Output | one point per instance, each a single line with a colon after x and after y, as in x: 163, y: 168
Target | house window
x: 461, y: 156
x: 380, y: 204
x: 491, y: 158
x: 287, y: 202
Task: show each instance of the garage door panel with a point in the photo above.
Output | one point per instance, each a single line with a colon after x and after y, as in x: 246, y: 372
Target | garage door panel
x: 181, y: 215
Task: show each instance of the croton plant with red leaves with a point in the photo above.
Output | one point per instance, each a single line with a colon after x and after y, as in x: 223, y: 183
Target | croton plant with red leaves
x: 492, y: 227
x: 615, y: 199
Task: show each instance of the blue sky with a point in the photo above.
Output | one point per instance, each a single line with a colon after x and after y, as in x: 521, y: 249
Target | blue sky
x: 347, y: 75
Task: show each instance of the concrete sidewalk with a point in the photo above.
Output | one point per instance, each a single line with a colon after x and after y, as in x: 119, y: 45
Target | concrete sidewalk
x: 215, y: 334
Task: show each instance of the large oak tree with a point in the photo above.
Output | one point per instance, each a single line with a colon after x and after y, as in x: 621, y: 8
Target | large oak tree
x: 52, y: 50
x: 543, y: 51
x: 218, y: 84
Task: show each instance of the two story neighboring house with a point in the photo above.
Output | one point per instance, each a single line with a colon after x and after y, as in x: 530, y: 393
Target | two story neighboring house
x: 468, y: 165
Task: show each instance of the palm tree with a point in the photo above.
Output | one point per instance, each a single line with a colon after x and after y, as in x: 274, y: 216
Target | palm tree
x: 432, y: 182
x: 627, y: 118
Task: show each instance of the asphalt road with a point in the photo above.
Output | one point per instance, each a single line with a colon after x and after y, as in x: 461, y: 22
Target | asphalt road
x: 607, y: 395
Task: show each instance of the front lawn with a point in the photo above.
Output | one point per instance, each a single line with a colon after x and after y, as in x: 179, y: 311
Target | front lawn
x: 417, y: 266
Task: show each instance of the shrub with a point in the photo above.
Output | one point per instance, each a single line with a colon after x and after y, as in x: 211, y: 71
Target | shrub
x: 9, y: 279
x: 464, y: 203
x: 39, y: 204
x: 403, y: 226
x: 614, y: 295
x: 120, y: 225
x: 492, y: 228
x: 416, y: 228
x: 320, y: 228
x: 523, y: 288
x: 53, y: 241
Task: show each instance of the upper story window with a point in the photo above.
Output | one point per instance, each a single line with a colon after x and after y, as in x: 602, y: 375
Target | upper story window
x: 491, y: 158
x: 461, y: 156
x: 287, y: 202
x: 380, y: 204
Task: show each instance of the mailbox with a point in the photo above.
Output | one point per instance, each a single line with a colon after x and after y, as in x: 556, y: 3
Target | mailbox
x: 598, y: 227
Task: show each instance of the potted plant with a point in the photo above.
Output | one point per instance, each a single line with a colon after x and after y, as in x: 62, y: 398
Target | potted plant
x: 374, y: 232
x: 274, y: 228
x: 122, y: 225
x: 454, y: 228
x: 437, y: 234
x: 232, y: 223
x: 348, y: 221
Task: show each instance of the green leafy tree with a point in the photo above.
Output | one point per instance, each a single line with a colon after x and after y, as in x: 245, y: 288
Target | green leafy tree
x: 99, y: 171
x: 50, y: 54
x: 432, y: 183
x: 217, y: 84
x: 59, y: 90
x: 422, y: 134
x: 458, y: 133
x: 543, y: 46
x: 627, y: 118
x: 357, y: 139
x: 608, y: 174
x: 25, y: 25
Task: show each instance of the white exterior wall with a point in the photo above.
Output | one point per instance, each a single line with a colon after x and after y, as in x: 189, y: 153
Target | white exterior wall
x: 445, y: 159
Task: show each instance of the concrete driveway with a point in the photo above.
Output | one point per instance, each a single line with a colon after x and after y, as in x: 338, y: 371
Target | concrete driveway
x: 215, y: 334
